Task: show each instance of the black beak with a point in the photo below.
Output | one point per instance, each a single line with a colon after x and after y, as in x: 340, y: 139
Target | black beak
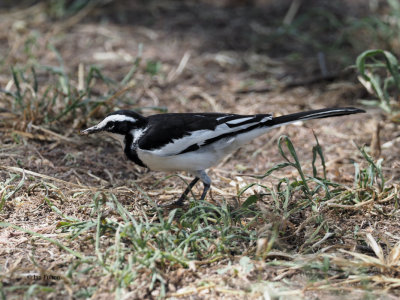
x: 91, y: 130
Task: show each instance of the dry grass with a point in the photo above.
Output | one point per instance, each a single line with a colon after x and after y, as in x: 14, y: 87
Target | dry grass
x: 287, y: 217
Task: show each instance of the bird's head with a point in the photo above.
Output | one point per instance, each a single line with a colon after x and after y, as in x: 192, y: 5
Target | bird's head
x: 120, y: 122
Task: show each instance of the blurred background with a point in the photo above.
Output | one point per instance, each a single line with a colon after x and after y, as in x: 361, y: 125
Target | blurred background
x: 228, y: 47
x: 232, y: 46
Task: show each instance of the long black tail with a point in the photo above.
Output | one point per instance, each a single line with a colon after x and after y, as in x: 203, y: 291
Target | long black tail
x: 315, y: 114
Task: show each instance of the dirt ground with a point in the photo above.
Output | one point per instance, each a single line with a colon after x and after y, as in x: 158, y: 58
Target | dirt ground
x: 229, y: 56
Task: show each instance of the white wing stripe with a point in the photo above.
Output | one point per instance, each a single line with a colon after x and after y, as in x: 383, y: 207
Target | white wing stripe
x: 266, y: 119
x: 196, y: 137
x: 237, y: 121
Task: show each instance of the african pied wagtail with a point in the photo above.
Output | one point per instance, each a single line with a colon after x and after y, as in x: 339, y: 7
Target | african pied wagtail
x: 194, y: 142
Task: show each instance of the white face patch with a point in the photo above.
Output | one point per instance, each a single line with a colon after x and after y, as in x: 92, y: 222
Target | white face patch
x: 117, y: 118
x: 137, y: 134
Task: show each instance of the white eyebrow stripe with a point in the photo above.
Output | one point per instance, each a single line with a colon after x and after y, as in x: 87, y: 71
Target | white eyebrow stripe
x: 119, y: 118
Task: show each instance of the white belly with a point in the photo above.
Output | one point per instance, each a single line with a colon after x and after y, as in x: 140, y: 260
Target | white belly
x: 196, y: 160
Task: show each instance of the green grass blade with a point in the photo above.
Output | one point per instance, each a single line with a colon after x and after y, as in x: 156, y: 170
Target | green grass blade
x: 317, y: 150
x: 296, y: 163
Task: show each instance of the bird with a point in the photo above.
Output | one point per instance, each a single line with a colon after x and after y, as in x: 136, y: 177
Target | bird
x: 194, y: 142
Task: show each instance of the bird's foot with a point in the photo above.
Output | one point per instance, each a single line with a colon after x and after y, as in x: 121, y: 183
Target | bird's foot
x: 173, y: 204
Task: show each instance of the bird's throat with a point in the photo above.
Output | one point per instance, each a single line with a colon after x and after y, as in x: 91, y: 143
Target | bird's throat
x: 130, y: 150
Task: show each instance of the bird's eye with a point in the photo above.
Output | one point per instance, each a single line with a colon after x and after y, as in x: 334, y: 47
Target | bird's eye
x: 111, y: 125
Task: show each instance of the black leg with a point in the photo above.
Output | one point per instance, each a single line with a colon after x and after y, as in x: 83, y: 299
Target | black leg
x: 186, y: 192
x: 206, y: 181
x: 206, y: 188
x: 182, y: 198
x: 199, y: 175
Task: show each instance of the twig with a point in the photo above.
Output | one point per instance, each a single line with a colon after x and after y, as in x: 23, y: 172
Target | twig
x: 27, y: 172
x: 115, y: 95
x: 174, y: 74
x: 61, y: 137
x: 291, y: 13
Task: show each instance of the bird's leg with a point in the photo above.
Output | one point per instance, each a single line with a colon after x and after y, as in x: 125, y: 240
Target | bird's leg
x: 206, y: 181
x: 182, y: 198
x: 206, y: 188
x: 199, y: 175
x: 186, y: 192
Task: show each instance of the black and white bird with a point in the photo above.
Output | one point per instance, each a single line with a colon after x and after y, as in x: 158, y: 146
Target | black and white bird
x: 194, y: 142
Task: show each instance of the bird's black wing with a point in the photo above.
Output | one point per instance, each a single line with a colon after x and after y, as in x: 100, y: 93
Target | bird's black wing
x: 172, y: 134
